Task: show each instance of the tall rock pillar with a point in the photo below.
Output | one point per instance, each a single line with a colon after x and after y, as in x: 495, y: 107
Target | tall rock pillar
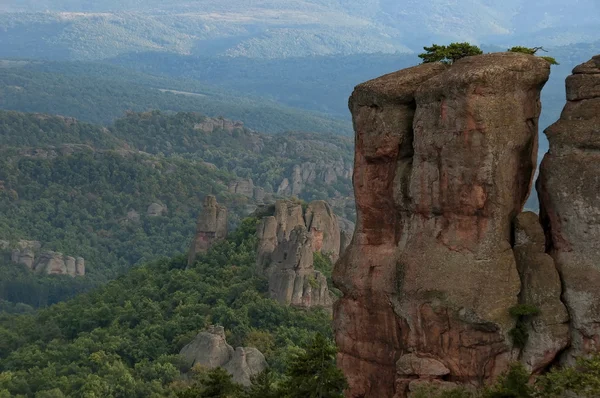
x: 210, y: 228
x: 569, y: 192
x: 445, y: 158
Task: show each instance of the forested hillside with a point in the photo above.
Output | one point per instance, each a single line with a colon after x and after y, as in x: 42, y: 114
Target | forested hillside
x: 122, y: 340
x: 87, y: 191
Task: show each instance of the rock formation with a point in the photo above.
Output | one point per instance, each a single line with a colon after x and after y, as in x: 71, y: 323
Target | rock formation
x: 210, y: 349
x: 46, y: 262
x: 320, y: 172
x: 288, y: 240
x: 156, y: 209
x: 568, y: 187
x: 444, y: 161
x: 210, y: 228
x: 540, y: 288
x: 248, y: 189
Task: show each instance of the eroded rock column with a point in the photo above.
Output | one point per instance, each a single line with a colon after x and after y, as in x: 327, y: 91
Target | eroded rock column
x: 210, y: 228
x: 569, y: 189
x: 444, y: 162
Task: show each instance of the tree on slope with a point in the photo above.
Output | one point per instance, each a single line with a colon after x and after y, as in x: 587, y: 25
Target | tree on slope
x: 313, y: 374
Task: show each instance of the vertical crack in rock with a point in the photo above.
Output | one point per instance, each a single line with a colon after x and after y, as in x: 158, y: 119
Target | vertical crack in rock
x: 548, y: 331
x: 568, y: 187
x: 443, y: 164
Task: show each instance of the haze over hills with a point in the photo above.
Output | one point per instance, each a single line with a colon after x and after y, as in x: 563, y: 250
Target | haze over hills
x: 280, y: 28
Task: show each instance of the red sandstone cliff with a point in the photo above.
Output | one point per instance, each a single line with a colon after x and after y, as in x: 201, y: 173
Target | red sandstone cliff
x: 444, y: 162
x: 568, y: 188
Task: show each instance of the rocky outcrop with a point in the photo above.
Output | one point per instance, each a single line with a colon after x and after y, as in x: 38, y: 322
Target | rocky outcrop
x: 210, y: 125
x: 288, y: 238
x: 249, y: 190
x: 210, y: 349
x: 541, y: 289
x: 47, y: 262
x: 444, y: 161
x: 320, y: 172
x: 156, y: 210
x: 210, y: 228
x: 568, y: 187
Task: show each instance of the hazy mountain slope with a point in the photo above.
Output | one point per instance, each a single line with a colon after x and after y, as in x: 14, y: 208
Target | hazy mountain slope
x: 101, y: 93
x: 281, y: 28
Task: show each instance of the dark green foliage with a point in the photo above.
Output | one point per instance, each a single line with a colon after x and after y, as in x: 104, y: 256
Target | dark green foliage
x: 263, y: 386
x: 120, y: 340
x: 76, y: 200
x: 581, y: 380
x: 533, y: 51
x: 216, y: 383
x: 450, y: 53
x: 313, y: 374
x: 513, y: 384
x: 522, y: 312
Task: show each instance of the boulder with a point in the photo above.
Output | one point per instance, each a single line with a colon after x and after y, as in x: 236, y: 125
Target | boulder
x: 445, y: 158
x: 210, y: 349
x: 245, y: 363
x: 156, y: 210
x: 210, y: 228
x: 568, y: 187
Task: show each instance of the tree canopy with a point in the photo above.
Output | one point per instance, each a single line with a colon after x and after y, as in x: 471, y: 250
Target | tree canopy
x: 450, y: 53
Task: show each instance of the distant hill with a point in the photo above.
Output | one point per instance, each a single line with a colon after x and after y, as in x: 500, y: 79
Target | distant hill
x: 85, y: 190
x: 281, y: 28
x: 101, y: 93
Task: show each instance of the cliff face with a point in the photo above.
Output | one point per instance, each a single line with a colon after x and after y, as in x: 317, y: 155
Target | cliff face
x: 444, y: 162
x: 288, y: 240
x: 568, y: 189
x: 210, y: 228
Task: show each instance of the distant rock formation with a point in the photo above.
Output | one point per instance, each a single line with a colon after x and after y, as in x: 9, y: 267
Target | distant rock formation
x: 210, y: 349
x: 323, y: 172
x: 445, y: 158
x: 249, y: 190
x: 287, y: 240
x: 157, y: 209
x: 44, y: 262
x: 568, y: 189
x: 210, y: 125
x: 210, y: 228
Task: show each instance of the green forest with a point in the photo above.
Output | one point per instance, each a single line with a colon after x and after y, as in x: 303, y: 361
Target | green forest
x: 122, y: 340
x: 84, y: 190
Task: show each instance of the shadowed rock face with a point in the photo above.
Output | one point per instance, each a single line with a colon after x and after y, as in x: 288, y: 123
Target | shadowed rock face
x: 444, y: 162
x: 211, y: 227
x: 288, y: 240
x: 540, y: 288
x: 568, y: 188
